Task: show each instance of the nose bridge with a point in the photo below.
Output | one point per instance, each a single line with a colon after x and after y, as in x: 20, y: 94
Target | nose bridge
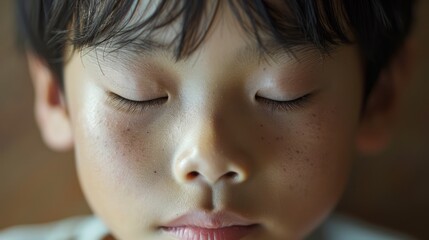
x: 207, y: 153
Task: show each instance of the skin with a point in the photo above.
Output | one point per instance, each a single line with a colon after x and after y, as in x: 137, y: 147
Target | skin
x: 212, y: 146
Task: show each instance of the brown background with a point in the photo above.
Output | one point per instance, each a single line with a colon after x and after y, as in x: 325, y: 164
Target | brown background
x: 37, y: 185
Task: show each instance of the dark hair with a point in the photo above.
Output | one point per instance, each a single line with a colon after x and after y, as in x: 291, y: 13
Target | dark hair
x: 379, y: 27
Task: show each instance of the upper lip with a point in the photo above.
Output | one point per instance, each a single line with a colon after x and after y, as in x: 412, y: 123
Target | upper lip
x: 208, y: 220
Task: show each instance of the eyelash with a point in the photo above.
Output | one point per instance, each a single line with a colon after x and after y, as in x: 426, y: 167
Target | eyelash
x: 281, y: 106
x: 132, y: 106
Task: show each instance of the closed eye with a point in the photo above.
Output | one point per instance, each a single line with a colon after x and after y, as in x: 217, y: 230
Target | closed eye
x: 132, y: 106
x: 290, y: 105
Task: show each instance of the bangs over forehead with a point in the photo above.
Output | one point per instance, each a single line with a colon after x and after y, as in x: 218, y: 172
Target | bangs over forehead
x: 378, y: 27
x: 290, y: 24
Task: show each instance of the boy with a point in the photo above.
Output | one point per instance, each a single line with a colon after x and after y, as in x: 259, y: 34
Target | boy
x: 213, y: 119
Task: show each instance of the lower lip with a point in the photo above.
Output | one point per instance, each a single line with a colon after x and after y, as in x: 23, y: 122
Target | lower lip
x: 197, y: 233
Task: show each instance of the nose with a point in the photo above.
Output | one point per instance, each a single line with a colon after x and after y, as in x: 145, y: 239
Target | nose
x: 209, y: 153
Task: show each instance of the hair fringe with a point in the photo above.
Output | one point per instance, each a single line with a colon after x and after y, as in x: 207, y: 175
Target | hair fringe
x: 379, y: 27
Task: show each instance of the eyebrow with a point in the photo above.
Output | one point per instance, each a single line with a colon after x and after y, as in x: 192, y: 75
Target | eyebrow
x: 267, y: 51
x: 272, y: 51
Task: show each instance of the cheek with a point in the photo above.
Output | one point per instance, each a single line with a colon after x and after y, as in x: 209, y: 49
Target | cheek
x: 121, y: 166
x: 305, y: 168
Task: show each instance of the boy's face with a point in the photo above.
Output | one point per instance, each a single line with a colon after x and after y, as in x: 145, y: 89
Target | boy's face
x: 214, y: 147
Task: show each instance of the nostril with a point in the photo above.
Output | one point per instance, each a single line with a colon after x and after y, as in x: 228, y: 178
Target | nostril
x: 231, y: 175
x: 192, y: 175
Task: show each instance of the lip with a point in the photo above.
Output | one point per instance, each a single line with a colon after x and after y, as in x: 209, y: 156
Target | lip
x: 208, y: 226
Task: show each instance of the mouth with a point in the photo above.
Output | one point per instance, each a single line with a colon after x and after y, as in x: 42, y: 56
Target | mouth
x: 206, y: 226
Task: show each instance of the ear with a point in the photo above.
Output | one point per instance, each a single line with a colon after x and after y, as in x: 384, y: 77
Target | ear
x: 379, y: 115
x: 50, y: 108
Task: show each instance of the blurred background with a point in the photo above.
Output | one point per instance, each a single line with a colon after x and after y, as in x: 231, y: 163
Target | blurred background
x: 38, y: 185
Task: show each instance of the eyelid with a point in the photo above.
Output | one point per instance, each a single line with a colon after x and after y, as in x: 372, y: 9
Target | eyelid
x: 289, y: 105
x: 132, y: 106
